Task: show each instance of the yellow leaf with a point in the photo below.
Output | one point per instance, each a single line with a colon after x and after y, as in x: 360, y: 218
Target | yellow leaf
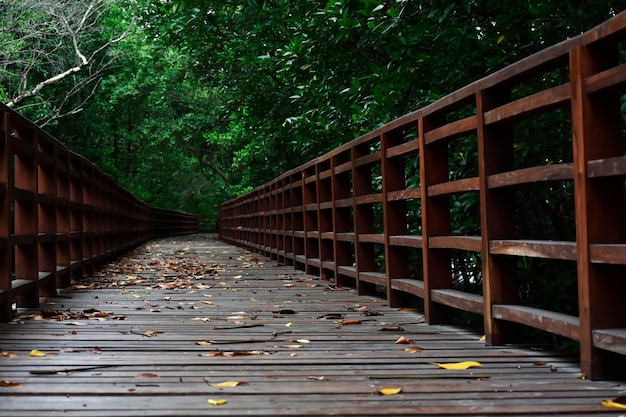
x: 500, y: 39
x: 228, y: 384
x: 217, y: 402
x: 130, y: 277
x: 390, y: 391
x: 10, y: 384
x: 613, y: 404
x: 483, y: 338
x: 457, y: 365
x: 237, y: 276
x: 289, y: 324
x: 204, y: 343
x: 37, y: 353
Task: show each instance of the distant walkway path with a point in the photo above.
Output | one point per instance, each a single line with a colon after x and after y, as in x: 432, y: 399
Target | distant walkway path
x: 156, y: 333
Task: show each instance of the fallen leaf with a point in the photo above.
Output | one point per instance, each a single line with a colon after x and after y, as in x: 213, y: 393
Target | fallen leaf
x: 457, y: 365
x: 237, y: 276
x: 413, y: 349
x: 150, y: 333
x: 75, y: 323
x: 316, y: 378
x: 390, y: 391
x: 204, y: 343
x: 292, y: 346
x: 146, y: 375
x: 349, y: 322
x: 539, y: 363
x: 37, y: 353
x: 305, y: 341
x: 217, y: 403
x: 391, y: 329
x: 483, y: 338
x: 614, y: 404
x: 10, y: 384
x: 289, y: 324
x: 404, y: 341
x: 229, y: 384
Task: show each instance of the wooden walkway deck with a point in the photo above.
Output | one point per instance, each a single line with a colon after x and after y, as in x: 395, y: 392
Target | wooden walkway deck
x: 152, y: 335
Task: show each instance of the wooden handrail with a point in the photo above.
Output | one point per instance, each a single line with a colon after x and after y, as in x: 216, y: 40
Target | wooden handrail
x: 60, y: 215
x: 323, y: 215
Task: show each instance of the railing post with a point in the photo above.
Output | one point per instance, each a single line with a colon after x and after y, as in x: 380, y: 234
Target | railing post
x: 435, y: 220
x: 497, y: 214
x: 5, y: 221
x: 363, y: 219
x: 596, y: 128
x: 395, y: 217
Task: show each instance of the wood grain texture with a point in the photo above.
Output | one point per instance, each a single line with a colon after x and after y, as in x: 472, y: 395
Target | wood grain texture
x: 142, y: 357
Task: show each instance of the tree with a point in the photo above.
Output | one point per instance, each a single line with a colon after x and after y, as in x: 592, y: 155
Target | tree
x: 63, y: 43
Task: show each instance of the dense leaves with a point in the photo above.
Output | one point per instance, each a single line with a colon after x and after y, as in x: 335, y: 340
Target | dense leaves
x: 199, y: 101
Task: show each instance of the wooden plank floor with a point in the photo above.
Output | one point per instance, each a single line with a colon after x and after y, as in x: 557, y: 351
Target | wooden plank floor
x: 149, y: 334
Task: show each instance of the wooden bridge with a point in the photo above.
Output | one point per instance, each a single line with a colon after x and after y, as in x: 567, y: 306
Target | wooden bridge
x: 191, y: 326
x: 158, y: 332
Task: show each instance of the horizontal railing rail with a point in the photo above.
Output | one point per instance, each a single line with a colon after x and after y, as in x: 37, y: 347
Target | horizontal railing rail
x: 60, y: 215
x: 379, y: 212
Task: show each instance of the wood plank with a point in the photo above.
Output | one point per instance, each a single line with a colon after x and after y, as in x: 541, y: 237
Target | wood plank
x: 471, y: 243
x: 204, y: 300
x: 548, y: 249
x: 409, y: 194
x: 452, y: 130
x: 610, y: 339
x: 454, y: 187
x: 459, y: 299
x: 528, y: 106
x: 609, y: 254
x: 406, y: 240
x: 550, y: 321
x: 557, y: 172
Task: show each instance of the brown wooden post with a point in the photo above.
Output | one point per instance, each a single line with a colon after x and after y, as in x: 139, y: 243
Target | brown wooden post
x: 596, y: 127
x: 25, y: 213
x: 63, y: 219
x: 311, y: 229
x: 495, y: 155
x: 435, y: 219
x: 395, y: 217
x: 325, y: 219
x: 363, y: 219
x: 6, y: 293
x: 342, y: 217
x: 47, y: 215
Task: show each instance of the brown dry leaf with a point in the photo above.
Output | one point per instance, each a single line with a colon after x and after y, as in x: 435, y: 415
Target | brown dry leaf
x: 349, y: 322
x: 390, y: 391
x: 404, y: 341
x: 539, y: 363
x: 211, y: 303
x: 204, y: 343
x: 391, y: 329
x: 146, y: 375
x: 413, y: 349
x: 228, y: 384
x: 316, y: 378
x: 150, y: 333
x: 10, y: 384
x: 75, y: 323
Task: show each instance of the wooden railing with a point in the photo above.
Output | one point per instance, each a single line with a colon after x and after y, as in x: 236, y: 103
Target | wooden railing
x: 375, y: 213
x: 60, y: 215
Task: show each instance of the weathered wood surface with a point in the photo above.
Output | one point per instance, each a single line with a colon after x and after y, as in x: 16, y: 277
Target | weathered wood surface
x: 160, y: 301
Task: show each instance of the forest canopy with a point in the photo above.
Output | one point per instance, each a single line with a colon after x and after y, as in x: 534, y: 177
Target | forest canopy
x: 190, y: 102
